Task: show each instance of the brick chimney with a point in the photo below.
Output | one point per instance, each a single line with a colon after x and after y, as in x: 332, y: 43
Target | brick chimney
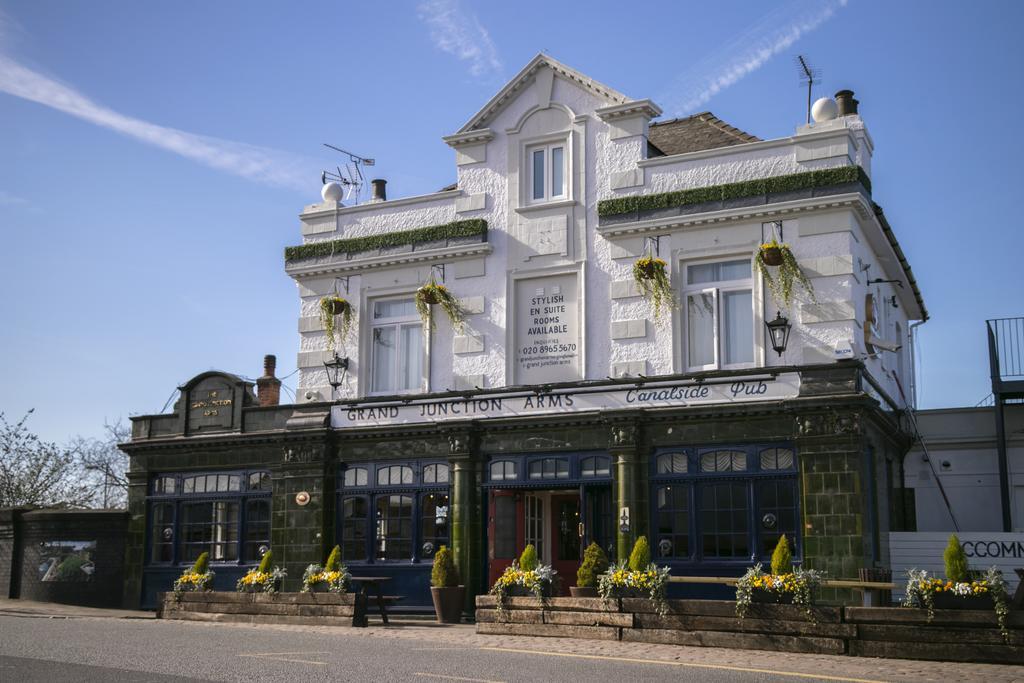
x: 268, y: 387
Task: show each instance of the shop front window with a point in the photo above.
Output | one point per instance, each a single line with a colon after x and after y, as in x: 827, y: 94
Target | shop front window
x: 394, y: 527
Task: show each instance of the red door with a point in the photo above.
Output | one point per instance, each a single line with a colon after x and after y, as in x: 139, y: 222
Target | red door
x: 505, y: 532
x: 565, y: 537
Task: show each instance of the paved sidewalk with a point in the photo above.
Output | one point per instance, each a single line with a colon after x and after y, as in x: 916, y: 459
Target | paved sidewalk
x: 464, y: 636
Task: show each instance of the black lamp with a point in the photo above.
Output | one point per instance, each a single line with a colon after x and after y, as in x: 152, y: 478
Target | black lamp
x: 336, y: 369
x: 778, y: 330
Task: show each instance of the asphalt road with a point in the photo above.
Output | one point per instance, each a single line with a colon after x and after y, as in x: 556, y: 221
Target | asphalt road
x: 42, y: 649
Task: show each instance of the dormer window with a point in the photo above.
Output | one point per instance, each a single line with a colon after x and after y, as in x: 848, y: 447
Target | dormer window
x: 547, y: 169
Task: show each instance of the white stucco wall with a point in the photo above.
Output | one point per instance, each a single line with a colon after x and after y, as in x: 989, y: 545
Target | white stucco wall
x: 829, y: 241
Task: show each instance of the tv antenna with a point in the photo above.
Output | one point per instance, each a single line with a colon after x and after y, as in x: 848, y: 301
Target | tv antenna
x: 349, y: 176
x: 810, y: 77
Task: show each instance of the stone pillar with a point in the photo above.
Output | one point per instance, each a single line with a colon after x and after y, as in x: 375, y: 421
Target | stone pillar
x: 466, y: 518
x: 623, y: 449
x: 301, y: 519
x: 135, y: 541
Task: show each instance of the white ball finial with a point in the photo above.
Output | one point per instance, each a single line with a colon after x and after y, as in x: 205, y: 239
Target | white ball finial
x: 332, y: 192
x: 824, y: 109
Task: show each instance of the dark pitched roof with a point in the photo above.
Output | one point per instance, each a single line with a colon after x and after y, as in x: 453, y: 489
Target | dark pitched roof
x: 692, y: 134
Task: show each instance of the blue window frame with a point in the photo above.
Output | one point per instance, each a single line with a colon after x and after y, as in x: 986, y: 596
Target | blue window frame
x: 537, y: 471
x: 724, y: 504
x: 393, y: 512
x: 226, y: 514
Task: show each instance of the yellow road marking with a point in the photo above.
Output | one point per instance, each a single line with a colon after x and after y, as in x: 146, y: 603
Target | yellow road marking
x: 724, y: 667
x: 455, y: 678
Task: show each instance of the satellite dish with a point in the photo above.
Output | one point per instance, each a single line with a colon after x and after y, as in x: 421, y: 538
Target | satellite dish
x: 824, y: 109
x: 332, y: 192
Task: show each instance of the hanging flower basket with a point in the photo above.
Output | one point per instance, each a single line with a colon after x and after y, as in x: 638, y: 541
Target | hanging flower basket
x: 433, y: 294
x: 783, y: 282
x: 651, y: 277
x: 331, y: 307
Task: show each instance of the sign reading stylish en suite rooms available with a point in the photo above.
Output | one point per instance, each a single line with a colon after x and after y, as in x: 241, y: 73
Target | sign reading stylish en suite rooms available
x: 651, y: 395
x: 547, y: 326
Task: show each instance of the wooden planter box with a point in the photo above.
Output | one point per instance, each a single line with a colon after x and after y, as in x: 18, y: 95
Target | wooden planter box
x: 324, y: 609
x: 954, y: 635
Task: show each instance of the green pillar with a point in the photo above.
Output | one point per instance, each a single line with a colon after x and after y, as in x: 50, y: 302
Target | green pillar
x: 623, y: 449
x: 465, y: 529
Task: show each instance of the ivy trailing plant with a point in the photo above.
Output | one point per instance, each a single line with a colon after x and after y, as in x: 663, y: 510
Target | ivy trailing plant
x: 922, y: 589
x: 330, y: 307
x: 789, y: 274
x: 433, y: 294
x: 651, y: 277
x: 749, y: 188
x: 798, y: 585
x: 475, y: 227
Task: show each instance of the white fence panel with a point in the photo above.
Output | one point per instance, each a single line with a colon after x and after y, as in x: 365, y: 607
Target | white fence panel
x: 984, y: 549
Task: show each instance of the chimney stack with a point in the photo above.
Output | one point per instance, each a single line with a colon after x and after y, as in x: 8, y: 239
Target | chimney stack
x: 268, y: 387
x: 846, y: 103
x: 380, y: 192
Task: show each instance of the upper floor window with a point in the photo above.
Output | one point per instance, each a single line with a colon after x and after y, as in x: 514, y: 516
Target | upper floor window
x: 394, y: 475
x: 435, y: 474
x: 719, y: 316
x: 596, y: 466
x: 547, y: 171
x: 503, y: 470
x: 397, y: 348
x: 355, y: 476
x: 549, y: 468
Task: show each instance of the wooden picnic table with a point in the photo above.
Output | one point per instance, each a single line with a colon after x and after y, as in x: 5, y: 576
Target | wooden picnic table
x: 366, y: 582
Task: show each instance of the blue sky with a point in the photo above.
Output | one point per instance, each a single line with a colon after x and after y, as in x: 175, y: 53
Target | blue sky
x: 142, y: 234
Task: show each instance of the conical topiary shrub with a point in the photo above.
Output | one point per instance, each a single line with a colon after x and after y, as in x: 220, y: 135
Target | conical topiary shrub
x: 445, y: 590
x: 444, y: 574
x: 333, y: 560
x: 202, y: 564
x: 640, y: 558
x: 955, y: 559
x: 782, y: 558
x: 528, y: 560
x: 265, y: 562
x: 595, y: 563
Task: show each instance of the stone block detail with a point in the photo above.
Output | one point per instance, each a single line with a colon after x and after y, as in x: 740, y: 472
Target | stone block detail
x: 623, y: 289
x: 630, y: 368
x: 823, y: 224
x: 467, y: 382
x: 631, y: 247
x: 624, y: 179
x: 471, y: 154
x: 629, y: 329
x: 310, y: 324
x: 827, y: 266
x: 827, y: 312
x: 472, y: 305
x: 470, y: 268
x: 312, y: 359
x: 471, y: 202
x: 468, y: 343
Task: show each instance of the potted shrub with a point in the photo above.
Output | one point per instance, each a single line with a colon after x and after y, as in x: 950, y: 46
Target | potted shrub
x: 595, y: 563
x: 262, y: 579
x: 433, y: 294
x: 196, y: 578
x: 445, y: 590
x: 637, y: 578
x: 783, y: 282
x: 333, y: 577
x: 958, y: 590
x: 330, y: 308
x: 784, y: 585
x: 651, y: 279
x: 526, y: 577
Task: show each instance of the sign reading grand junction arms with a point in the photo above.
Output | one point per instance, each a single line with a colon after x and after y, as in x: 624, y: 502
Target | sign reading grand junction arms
x: 670, y: 394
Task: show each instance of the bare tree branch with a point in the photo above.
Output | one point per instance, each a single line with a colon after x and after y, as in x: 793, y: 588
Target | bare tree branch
x: 34, y: 472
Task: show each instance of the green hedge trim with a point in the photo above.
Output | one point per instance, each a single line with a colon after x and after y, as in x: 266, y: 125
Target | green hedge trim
x: 748, y: 188
x: 467, y: 228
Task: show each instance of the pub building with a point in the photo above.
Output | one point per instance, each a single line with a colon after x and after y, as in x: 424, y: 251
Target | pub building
x: 565, y: 411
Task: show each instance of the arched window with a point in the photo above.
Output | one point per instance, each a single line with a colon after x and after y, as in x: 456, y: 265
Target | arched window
x: 723, y: 461
x: 549, y: 468
x: 435, y: 474
x: 672, y: 463
x: 777, y: 459
x: 394, y: 475
x: 596, y: 466
x: 503, y: 470
x: 355, y: 476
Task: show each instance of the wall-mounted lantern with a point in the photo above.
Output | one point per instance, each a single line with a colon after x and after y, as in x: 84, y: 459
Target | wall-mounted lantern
x: 779, y: 330
x: 336, y: 369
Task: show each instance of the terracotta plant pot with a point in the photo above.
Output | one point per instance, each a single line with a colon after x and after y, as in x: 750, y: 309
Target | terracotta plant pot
x: 583, y: 591
x: 771, y: 597
x: 772, y: 256
x: 946, y: 600
x: 448, y: 603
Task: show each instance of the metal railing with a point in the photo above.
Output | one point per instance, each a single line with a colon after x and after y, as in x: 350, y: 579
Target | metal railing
x: 1006, y: 347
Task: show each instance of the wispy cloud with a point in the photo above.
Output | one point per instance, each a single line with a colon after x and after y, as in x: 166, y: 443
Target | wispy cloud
x: 459, y: 33
x: 775, y: 32
x: 8, y: 199
x: 259, y: 164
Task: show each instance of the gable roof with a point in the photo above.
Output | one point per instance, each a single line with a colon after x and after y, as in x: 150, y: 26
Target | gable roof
x: 693, y: 134
x: 504, y: 96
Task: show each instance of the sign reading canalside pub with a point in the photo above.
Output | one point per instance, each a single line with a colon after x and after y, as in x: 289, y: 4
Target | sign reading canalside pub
x: 547, y: 330
x: 667, y: 394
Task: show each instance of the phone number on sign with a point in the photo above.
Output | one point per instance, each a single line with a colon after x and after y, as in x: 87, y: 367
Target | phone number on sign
x: 548, y: 348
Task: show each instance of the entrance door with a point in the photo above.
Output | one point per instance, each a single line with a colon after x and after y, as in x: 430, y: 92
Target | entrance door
x: 505, y: 532
x: 565, y: 537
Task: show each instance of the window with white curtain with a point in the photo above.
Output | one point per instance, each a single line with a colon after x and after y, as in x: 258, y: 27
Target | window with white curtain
x: 718, y: 315
x: 397, y: 348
